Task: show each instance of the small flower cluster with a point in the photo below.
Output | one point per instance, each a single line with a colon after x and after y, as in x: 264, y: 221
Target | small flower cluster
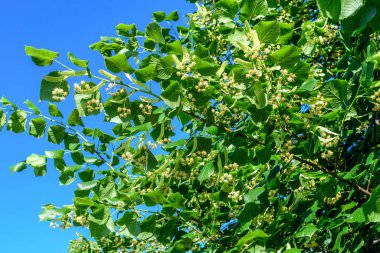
x: 123, y: 111
x: 376, y: 99
x: 287, y: 148
x: 202, y: 86
x: 231, y: 166
x: 251, y: 184
x: 184, y: 67
x: 235, y: 196
x: 164, y: 141
x: 180, y: 175
x: 230, y: 87
x: 141, y: 160
x: 112, y: 90
x: 200, y: 154
x: 151, y: 145
x: 201, y: 17
x: 331, y: 32
x: 286, y: 78
x: 81, y: 219
x: 93, y: 105
x: 221, y: 114
x: 145, y: 191
x: 188, y: 161
x: 267, y: 217
x: 82, y: 87
x: 332, y: 201
x: 254, y: 73
x: 127, y: 156
x: 328, y: 142
x: 276, y: 100
x: 59, y: 94
x: 227, y: 178
x: 146, y: 108
x: 319, y: 105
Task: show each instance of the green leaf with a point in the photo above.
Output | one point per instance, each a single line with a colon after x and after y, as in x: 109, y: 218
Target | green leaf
x: 172, y: 16
x: 107, y: 191
x: 75, y: 119
x: 264, y: 154
x: 77, y: 157
x: 41, y: 57
x: 371, y: 209
x: 253, y: 195
x: 50, y: 212
x: 32, y: 106
x: 118, y: 63
x: 293, y: 251
x: 146, y: 127
x: 145, y: 74
x: 3, y: 119
x: 54, y: 154
x: 159, y: 16
x: 164, y: 67
x: 76, y: 61
x: 154, y: 32
x: 286, y: 57
x: 206, y: 68
x: 286, y: 33
x: 337, y: 93
x: 85, y: 186
x: 82, y: 203
x: 306, y: 231
x: 174, y: 47
x: 339, y: 9
x: 101, y: 223
x: 268, y: 31
x: 238, y: 37
x: 18, y: 167
x: 206, y: 172
x: 81, y: 101
x: 37, y: 127
x: 17, y: 122
x: 176, y: 200
x: 126, y: 30
x: 257, y: 235
x: 172, y: 94
x: 256, y: 95
x: 128, y: 224
x: 253, y: 9
x: 154, y: 197
x: 54, y: 111
x: 228, y: 8
x: 38, y: 163
x: 56, y: 134
x: 6, y: 102
x: 49, y: 87
x: 308, y: 85
x: 86, y: 175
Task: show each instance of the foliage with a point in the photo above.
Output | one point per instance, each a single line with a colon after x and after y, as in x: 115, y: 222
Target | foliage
x: 254, y: 128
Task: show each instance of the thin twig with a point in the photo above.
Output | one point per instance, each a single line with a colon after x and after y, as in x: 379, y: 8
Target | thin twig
x: 74, y: 131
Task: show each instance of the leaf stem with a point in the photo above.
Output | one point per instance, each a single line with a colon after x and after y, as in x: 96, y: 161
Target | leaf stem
x: 63, y: 65
x: 72, y: 130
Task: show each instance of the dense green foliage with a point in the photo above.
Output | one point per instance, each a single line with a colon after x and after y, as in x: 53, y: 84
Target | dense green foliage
x: 254, y: 128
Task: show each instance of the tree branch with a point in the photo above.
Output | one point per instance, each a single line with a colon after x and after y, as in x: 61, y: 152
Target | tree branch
x: 294, y: 157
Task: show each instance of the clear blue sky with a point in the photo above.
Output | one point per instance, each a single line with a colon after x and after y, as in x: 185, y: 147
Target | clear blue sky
x: 62, y: 26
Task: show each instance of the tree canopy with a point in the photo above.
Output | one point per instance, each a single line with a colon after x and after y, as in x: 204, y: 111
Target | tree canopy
x: 252, y: 128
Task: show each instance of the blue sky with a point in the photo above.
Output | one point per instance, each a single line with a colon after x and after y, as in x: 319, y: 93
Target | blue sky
x: 61, y: 26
